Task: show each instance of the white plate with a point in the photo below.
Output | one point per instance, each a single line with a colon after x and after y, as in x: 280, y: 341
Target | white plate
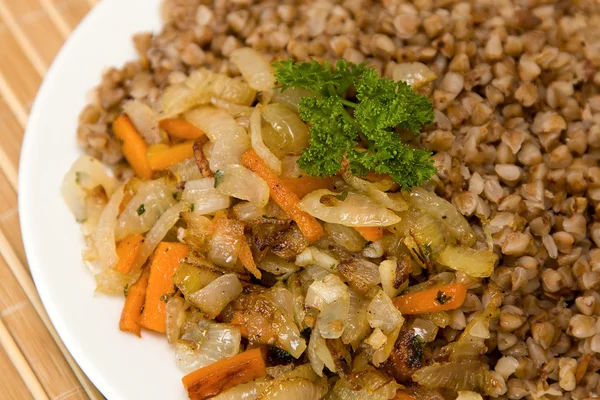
x: 122, y: 366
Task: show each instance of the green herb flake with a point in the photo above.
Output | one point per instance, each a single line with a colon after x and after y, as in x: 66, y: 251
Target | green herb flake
x: 342, y: 196
x: 219, y: 176
x: 362, y: 132
x: 442, y: 298
x: 166, y: 297
x: 192, y: 207
x: 126, y: 289
x: 78, y: 177
x: 141, y: 210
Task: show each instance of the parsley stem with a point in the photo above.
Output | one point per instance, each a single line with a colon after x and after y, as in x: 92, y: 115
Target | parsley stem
x: 349, y: 103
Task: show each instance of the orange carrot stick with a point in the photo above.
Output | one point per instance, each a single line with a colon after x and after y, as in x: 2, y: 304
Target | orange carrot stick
x: 443, y: 298
x: 179, y: 128
x: 218, y: 377
x: 306, y: 184
x: 370, y: 233
x: 165, y: 262
x: 132, y: 145
x: 161, y: 156
x: 283, y: 196
x: 247, y: 259
x: 127, y: 250
x: 132, y: 309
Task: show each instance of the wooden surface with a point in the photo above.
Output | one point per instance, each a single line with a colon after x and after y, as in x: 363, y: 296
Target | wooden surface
x: 34, y: 363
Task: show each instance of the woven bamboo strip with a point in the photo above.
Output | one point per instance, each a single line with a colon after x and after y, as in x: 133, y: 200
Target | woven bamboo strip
x: 11, y: 384
x: 37, y: 27
x: 21, y: 274
x: 17, y: 359
x: 15, y: 29
x: 73, y: 11
x: 56, y: 17
x: 39, y: 349
x: 8, y: 94
x: 21, y: 80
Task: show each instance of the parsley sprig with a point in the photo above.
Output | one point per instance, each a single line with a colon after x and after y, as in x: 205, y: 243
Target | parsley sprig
x: 362, y: 132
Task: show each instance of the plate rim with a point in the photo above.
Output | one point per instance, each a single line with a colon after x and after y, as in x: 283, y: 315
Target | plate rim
x: 26, y: 172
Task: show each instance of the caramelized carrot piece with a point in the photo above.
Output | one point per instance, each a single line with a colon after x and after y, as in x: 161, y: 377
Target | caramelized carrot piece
x: 179, y: 128
x: 133, y: 146
x: 370, y: 233
x: 127, y: 250
x: 161, y: 156
x: 247, y: 260
x: 402, y: 395
x: 283, y: 196
x: 443, y: 298
x: 216, y: 378
x: 165, y: 262
x: 132, y: 309
x: 306, y: 184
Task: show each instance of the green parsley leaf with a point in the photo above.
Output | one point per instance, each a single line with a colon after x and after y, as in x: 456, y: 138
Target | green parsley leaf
x: 362, y: 132
x: 342, y: 196
x: 141, y: 209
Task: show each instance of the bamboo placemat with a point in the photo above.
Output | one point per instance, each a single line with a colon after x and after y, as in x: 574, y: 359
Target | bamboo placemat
x: 34, y: 363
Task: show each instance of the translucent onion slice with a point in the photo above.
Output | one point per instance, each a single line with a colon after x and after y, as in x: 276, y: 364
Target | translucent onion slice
x: 467, y: 374
x: 453, y: 220
x: 239, y: 182
x: 475, y: 263
x: 224, y: 244
x: 104, y: 236
x: 277, y: 266
x: 369, y: 384
x: 229, y: 139
x: 85, y: 174
x: 291, y: 97
x: 290, y: 167
x: 209, y: 342
x: 259, y: 146
x: 315, y: 256
x: 232, y: 108
x: 145, y: 120
x: 387, y: 273
x: 290, y: 134
x: 332, y: 297
x: 382, y: 314
x: 355, y: 210
x: 254, y: 68
x: 357, y: 324
x: 245, y: 391
x: 204, y: 197
x: 213, y: 298
x: 346, y: 237
x: 151, y: 200
x: 187, y: 170
x: 157, y: 233
x: 292, y: 389
x: 377, y: 191
x: 246, y: 211
x: 175, y: 317
x: 318, y: 353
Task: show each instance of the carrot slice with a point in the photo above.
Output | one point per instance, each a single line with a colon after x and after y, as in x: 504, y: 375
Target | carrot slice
x: 283, y: 196
x: 306, y: 184
x: 127, y: 250
x: 165, y: 262
x: 218, y: 377
x: 179, y: 128
x: 133, y: 146
x: 370, y: 233
x: 247, y: 259
x: 402, y: 395
x: 444, y: 298
x: 161, y: 156
x: 132, y: 309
